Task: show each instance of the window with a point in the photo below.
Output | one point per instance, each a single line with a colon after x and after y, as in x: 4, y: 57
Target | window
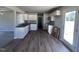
x: 69, y: 26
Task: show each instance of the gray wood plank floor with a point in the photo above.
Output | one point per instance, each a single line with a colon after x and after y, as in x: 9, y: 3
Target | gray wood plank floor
x: 40, y: 41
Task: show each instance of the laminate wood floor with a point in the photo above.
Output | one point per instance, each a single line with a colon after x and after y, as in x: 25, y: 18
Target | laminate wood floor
x: 39, y: 41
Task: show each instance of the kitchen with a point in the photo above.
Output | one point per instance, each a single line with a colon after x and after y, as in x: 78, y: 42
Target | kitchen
x: 24, y: 24
x: 29, y: 22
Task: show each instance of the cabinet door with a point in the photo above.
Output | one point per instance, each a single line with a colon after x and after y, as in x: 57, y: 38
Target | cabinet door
x: 27, y: 29
x: 33, y: 27
x: 25, y: 16
x: 19, y: 19
x: 19, y: 33
x: 32, y: 17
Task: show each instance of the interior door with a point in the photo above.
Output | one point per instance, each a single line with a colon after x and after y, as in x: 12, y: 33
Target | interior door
x: 40, y: 22
x: 69, y: 27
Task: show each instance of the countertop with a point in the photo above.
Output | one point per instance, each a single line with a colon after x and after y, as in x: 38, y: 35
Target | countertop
x: 24, y: 24
x: 51, y: 23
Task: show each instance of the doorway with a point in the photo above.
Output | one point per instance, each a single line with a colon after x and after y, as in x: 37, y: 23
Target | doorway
x: 40, y: 21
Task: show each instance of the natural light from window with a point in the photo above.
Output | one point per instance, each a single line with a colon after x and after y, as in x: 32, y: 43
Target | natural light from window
x: 69, y: 26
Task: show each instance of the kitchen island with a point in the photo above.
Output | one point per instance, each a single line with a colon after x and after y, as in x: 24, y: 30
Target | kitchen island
x: 22, y: 30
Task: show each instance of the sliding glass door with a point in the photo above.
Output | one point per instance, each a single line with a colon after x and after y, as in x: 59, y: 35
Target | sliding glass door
x: 69, y: 26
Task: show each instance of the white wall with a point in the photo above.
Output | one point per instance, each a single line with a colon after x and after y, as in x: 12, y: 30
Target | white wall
x: 6, y: 37
x: 7, y: 21
x: 45, y: 20
x: 59, y: 21
x: 6, y: 27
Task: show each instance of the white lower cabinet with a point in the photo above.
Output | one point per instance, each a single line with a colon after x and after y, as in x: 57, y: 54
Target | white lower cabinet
x: 21, y: 32
x: 33, y: 26
x: 27, y: 29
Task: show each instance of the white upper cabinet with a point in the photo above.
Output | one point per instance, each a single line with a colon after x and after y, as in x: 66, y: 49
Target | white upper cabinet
x: 32, y: 16
x: 19, y: 19
x: 25, y: 16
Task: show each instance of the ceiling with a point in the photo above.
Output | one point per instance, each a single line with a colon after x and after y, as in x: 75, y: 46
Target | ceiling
x: 3, y: 8
x: 39, y: 9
